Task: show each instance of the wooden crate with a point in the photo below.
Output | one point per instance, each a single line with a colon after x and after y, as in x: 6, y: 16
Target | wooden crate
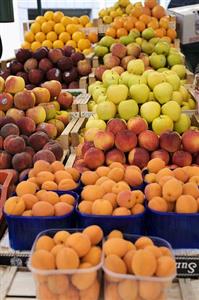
x: 80, y: 105
x: 64, y: 138
x: 5, y: 63
x: 189, y: 77
x: 75, y: 139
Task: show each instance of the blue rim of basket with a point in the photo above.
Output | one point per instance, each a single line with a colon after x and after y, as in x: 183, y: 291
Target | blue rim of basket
x: 167, y: 214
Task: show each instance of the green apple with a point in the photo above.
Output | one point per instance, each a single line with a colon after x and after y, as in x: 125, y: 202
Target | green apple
x: 93, y: 85
x: 192, y: 104
x: 100, y: 50
x: 110, y: 77
x: 91, y: 105
x: 157, y: 61
x: 133, y: 79
x: 147, y: 47
x: 162, y: 48
x: 150, y: 110
x: 127, y: 39
x: 146, y: 73
x: 101, y: 98
x: 128, y: 109
x: 117, y: 93
x: 125, y: 76
x: 106, y: 41
x: 139, y: 41
x: 155, y: 78
x: 172, y: 109
x: 155, y: 40
x: 161, y: 70
x: 106, y: 110
x: 143, y: 79
x: 184, y: 93
x: 162, y: 124
x: 175, y: 59
x: 177, y: 97
x: 92, y: 123
x: 136, y: 66
x: 174, y: 80
x: 98, y: 91
x: 180, y: 70
x: 148, y: 33
x: 163, y: 92
x: 182, y: 124
x: 134, y: 32
x: 151, y: 97
x: 139, y: 92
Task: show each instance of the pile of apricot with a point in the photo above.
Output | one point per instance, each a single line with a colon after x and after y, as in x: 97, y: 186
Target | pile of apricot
x: 172, y: 190
x: 53, y: 176
x: 142, y: 258
x: 68, y: 251
x: 30, y: 202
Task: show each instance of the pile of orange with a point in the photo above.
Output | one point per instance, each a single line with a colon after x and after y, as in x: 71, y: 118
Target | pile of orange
x: 54, y: 30
x: 141, y: 17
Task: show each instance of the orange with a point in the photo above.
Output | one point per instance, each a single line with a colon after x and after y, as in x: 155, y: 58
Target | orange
x: 58, y: 15
x: 84, y: 20
x: 153, y: 24
x: 86, y: 51
x: 51, y: 36
x: 111, y: 32
x: 121, y: 32
x: 25, y: 45
x: 139, y: 25
x: 129, y: 24
x: 71, y: 43
x: 118, y: 23
x: 75, y: 20
x: 146, y: 11
x: 171, y: 33
x: 78, y: 35
x: 46, y: 27
x: 150, y: 3
x: 160, y: 32
x: 64, y: 37
x: 58, y: 44
x: 40, y: 19
x: 29, y: 36
x: 89, y: 25
x: 47, y: 44
x: 48, y: 15
x: 35, y: 27
x: 158, y: 12
x: 93, y: 37
x: 71, y: 28
x: 52, y: 23
x: 66, y: 20
x: 84, y: 44
x: 136, y: 12
x: 59, y: 28
x: 40, y: 37
x: 145, y: 19
x: 164, y: 22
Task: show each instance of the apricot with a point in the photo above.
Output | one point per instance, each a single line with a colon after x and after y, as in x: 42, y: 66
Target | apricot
x: 121, y: 211
x: 125, y: 199
x: 29, y: 200
x: 62, y: 208
x: 31, y: 173
x: 60, y: 237
x: 150, y: 178
x: 166, y: 266
x: 191, y: 188
x: 102, y: 207
x: 180, y: 174
x: 138, y: 196
x: 155, y: 250
x: 115, y: 246
x: 41, y: 165
x: 186, y: 204
x: 101, y: 180
x: 155, y: 165
x: 93, y: 256
x: 91, y: 293
x: 164, y: 172
x: 133, y: 177
x: 56, y: 166
x: 128, y: 289
x: 150, y: 290
x: 73, y: 172
x: 115, y: 234
x: 49, y: 186
x: 57, y: 248
x: 14, y: 206
x: 33, y: 180
x: 194, y: 179
x: 165, y: 251
x: 67, y: 198
x: 43, y: 209
x: 44, y: 293
x: 115, y: 264
x: 159, y: 204
x: 112, y: 198
x: 58, y: 284
x: 108, y: 185
x: 45, y: 242
x: 67, y: 185
x: 116, y: 174
x: 71, y: 294
x: 142, y: 242
x: 120, y: 186
x: 94, y: 233
x: 62, y: 174
x: 43, y: 259
x: 172, y: 190
x: 164, y: 179
x: 67, y: 258
x: 137, y: 209
x: 89, y: 177
x: 116, y: 164
x: 92, y: 192
x: 111, y: 292
x: 191, y: 170
x: 80, y: 242
x: 27, y: 213
x: 152, y: 190
x: 102, y: 171
x: 85, y: 207
x: 45, y: 176
x: 144, y: 263
x: 50, y: 197
x: 25, y: 187
x: 128, y: 258
x: 83, y: 281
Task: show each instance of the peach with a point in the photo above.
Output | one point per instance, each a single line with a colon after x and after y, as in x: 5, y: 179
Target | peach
x: 85, y: 207
x: 133, y: 177
x: 164, y: 172
x: 137, y: 209
x: 94, y: 233
x: 43, y: 259
x: 15, y: 114
x: 67, y: 258
x: 116, y: 174
x: 44, y: 293
x: 60, y: 237
x: 67, y: 185
x: 45, y: 242
x: 102, y: 171
x: 102, y: 207
x: 170, y: 141
x: 41, y: 165
x: 80, y: 242
x: 24, y: 100
x: 14, y: 206
x: 149, y: 140
x: 191, y: 188
x: 139, y: 157
x: 90, y: 134
x: 101, y: 180
x: 93, y: 256
x: 142, y: 242
x: 121, y: 211
x: 62, y: 174
x: 159, y: 204
x: 73, y: 172
x: 67, y: 198
x: 137, y: 196
x: 56, y: 249
x: 150, y: 178
x: 172, y: 189
x: 115, y: 246
x: 115, y: 234
x: 137, y: 125
x: 112, y: 198
x: 25, y: 187
x: 166, y: 266
x: 128, y: 257
x: 155, y: 250
x: 57, y: 166
x: 42, y: 209
x: 115, y: 125
x: 49, y: 185
x: 120, y: 186
x: 190, y: 140
x: 83, y: 281
x: 182, y: 158
x: 53, y: 86
x: 72, y: 294
x: 104, y: 140
x: 42, y: 95
x: 111, y: 292
x: 180, y: 174
x: 27, y: 213
x: 144, y: 263
x: 2, y: 84
x: 94, y: 158
x: 125, y: 140
x: 128, y: 289
x: 108, y: 185
x: 125, y: 199
x: 162, y: 154
x: 115, y: 155
x: 89, y: 177
x: 29, y: 200
x: 58, y: 284
x: 153, y: 190
x: 186, y: 204
x: 115, y: 264
x: 91, y: 293
x: 62, y: 208
x: 155, y: 165
x: 6, y: 101
x: 45, y: 176
x: 37, y: 114
x: 150, y: 290
x: 14, y: 84
x: 92, y: 192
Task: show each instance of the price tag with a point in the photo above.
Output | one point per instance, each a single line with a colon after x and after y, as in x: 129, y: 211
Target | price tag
x: 87, y: 114
x: 74, y: 114
x: 187, y: 266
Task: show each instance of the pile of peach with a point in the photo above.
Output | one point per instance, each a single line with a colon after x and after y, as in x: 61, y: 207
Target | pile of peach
x: 53, y: 176
x: 107, y: 191
x: 65, y: 251
x: 172, y: 190
x: 142, y: 258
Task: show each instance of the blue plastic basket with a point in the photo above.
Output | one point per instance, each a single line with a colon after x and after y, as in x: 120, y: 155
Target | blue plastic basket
x: 23, y: 230
x: 180, y: 230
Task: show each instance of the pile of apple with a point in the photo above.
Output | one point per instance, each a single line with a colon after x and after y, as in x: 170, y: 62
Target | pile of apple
x: 133, y: 143
x: 64, y: 65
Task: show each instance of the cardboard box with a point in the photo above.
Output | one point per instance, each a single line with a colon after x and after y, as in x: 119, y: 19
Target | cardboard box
x: 187, y: 18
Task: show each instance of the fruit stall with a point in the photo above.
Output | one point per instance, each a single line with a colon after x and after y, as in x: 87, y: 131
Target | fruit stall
x: 99, y: 159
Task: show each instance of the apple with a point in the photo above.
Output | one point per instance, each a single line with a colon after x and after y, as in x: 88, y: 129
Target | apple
x: 96, y: 124
x: 175, y: 59
x: 93, y: 85
x: 157, y: 61
x: 133, y: 49
x: 125, y: 76
x: 154, y: 78
x: 174, y: 80
x: 117, y: 93
x: 148, y: 33
x: 133, y: 79
x: 111, y: 61
x: 150, y: 111
x: 162, y: 124
x: 184, y: 93
x: 163, y: 92
x: 106, y: 41
x: 162, y: 48
x: 182, y: 124
x: 140, y: 93
x: 136, y: 67
x: 147, y: 47
x: 126, y: 40
x: 128, y: 109
x: 98, y: 91
x: 137, y: 125
x: 177, y: 97
x: 170, y: 141
x: 180, y: 70
x: 106, y: 110
x: 110, y: 77
x: 190, y: 141
x: 172, y: 109
x: 101, y: 98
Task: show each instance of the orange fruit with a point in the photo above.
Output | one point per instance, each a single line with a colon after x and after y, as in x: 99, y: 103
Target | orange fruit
x: 47, y: 44
x: 84, y: 44
x: 71, y: 28
x: 84, y: 20
x: 71, y: 43
x: 66, y: 20
x: 59, y: 28
x: 121, y: 32
x: 160, y: 32
x: 89, y: 25
x: 111, y: 32
x: 93, y: 37
x: 164, y: 22
x: 51, y: 36
x: 75, y: 20
x: 146, y: 11
x: 48, y: 15
x: 35, y: 27
x: 145, y: 19
x: 40, y: 19
x: 137, y: 11
x: 58, y: 15
x: 64, y: 37
x: 58, y: 44
x: 118, y: 23
x: 29, y: 36
x: 153, y: 24
x: 129, y: 24
x: 46, y: 27
x: 150, y: 3
x: 40, y: 37
x: 25, y: 45
x: 139, y: 25
x: 78, y: 35
x: 158, y: 11
x: 171, y: 33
